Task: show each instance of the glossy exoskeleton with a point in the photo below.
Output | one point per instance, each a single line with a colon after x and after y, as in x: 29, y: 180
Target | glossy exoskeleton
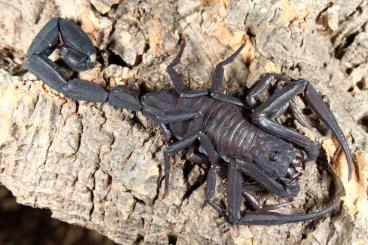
x: 240, y: 138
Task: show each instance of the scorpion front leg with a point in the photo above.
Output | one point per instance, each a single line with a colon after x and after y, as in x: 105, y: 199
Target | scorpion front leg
x: 279, y: 101
x: 185, y: 143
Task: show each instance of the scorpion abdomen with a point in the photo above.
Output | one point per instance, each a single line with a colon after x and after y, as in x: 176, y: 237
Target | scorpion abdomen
x: 231, y: 133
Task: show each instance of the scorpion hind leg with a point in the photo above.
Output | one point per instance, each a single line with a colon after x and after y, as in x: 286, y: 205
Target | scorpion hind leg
x: 234, y: 183
x: 180, y: 145
x: 197, y: 158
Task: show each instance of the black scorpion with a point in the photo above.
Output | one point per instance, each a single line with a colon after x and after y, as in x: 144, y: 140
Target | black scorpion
x: 239, y: 137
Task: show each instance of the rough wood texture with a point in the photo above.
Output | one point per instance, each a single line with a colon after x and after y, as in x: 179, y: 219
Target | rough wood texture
x: 99, y: 167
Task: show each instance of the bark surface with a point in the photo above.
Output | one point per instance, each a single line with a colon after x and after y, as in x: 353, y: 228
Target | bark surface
x: 100, y: 167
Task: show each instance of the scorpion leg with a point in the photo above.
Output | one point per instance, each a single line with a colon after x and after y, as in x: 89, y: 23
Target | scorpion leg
x: 210, y: 189
x: 184, y: 143
x: 176, y: 78
x: 234, y: 191
x: 262, y: 84
x: 171, y: 150
x: 253, y: 187
x: 265, y: 82
x: 217, y: 89
x: 214, y: 158
x: 257, y: 206
x: 203, y: 160
x: 234, y: 182
x: 177, y: 117
x: 227, y: 98
x: 166, y: 132
x: 280, y: 99
x: 259, y: 175
x: 271, y: 107
x: 197, y: 158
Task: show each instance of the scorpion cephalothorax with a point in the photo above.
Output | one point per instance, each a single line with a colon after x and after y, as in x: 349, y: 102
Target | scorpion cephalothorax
x: 239, y: 138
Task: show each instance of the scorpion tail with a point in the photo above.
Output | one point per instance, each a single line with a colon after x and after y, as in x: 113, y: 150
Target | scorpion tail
x: 124, y: 97
x: 119, y: 96
x: 79, y: 53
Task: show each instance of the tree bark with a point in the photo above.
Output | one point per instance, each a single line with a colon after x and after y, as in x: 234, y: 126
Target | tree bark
x: 100, y: 167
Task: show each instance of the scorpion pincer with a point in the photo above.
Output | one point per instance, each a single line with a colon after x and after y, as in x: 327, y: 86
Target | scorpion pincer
x: 239, y: 138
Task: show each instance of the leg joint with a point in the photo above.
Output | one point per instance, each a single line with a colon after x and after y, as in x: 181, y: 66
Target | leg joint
x: 258, y: 117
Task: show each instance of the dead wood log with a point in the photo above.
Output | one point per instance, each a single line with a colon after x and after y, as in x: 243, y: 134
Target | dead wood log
x: 99, y: 167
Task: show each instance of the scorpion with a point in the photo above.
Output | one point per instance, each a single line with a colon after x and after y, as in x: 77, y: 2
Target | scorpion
x: 239, y: 138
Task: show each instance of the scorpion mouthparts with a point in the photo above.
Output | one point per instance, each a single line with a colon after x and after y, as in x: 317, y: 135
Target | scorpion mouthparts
x: 299, y: 160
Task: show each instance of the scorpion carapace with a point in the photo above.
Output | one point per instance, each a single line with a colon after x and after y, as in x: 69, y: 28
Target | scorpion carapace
x: 237, y: 137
